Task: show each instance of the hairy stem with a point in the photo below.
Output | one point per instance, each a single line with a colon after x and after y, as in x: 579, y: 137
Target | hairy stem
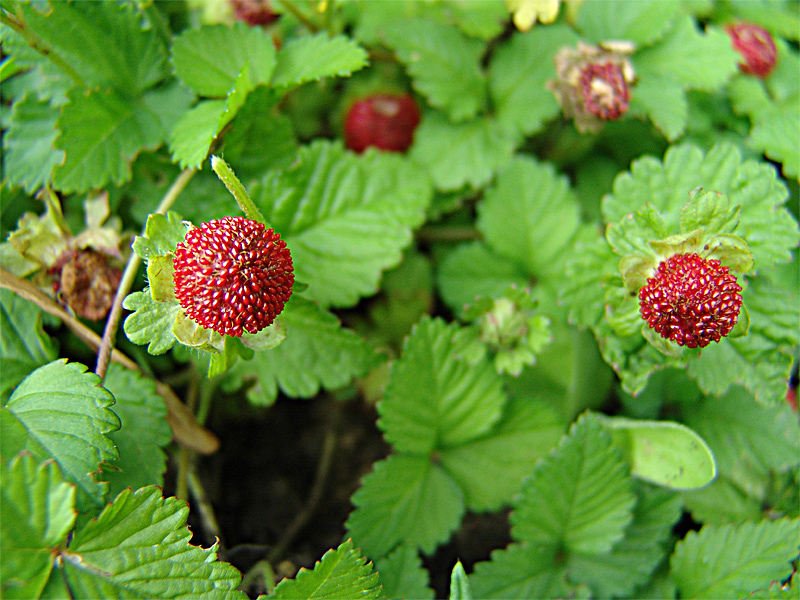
x: 235, y: 187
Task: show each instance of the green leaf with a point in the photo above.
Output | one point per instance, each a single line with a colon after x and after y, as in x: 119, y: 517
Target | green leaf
x: 664, y: 101
x: 490, y: 469
x: 342, y: 573
x: 24, y: 345
x: 310, y: 58
x: 190, y: 139
x: 711, y: 210
x: 404, y: 500
x: 520, y: 571
x: 435, y: 400
x: 459, y: 586
x: 466, y: 153
x: 143, y: 434
x: 345, y: 218
x: 139, y: 546
x: 734, y: 560
x: 639, y: 22
x: 210, y: 59
x: 663, y: 452
x: 61, y: 412
x: 546, y: 216
x: 579, y: 497
x: 317, y: 353
x: 775, y: 134
x: 29, y: 151
x: 162, y: 234
x: 36, y: 513
x: 151, y: 322
x: 518, y: 72
x: 403, y: 576
x: 444, y: 65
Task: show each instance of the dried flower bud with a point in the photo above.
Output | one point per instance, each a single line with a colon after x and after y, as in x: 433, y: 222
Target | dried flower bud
x: 756, y: 46
x: 254, y: 12
x: 86, y: 283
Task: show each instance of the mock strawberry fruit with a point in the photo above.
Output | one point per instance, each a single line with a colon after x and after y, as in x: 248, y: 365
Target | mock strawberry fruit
x: 756, y: 46
x: 254, y: 12
x: 604, y: 90
x: 384, y: 121
x: 691, y: 300
x: 233, y: 275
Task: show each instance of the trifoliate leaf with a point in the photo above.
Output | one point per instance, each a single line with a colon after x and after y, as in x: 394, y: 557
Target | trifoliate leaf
x: 435, y: 400
x: 61, y: 412
x: 162, y: 234
x: 459, y: 586
x: 143, y: 433
x: 491, y: 469
x: 210, y: 59
x: 580, y: 497
x: 342, y: 573
x: 36, y: 513
x: 310, y: 58
x: 403, y: 576
x: 529, y: 215
x: 139, y: 546
x: 641, y: 22
x: 404, y: 500
x: 518, y: 72
x: 466, y: 153
x: 317, y: 353
x: 151, y: 322
x: 444, y: 65
x: 734, y: 560
x: 663, y: 452
x: 24, y: 345
x: 520, y: 571
x: 345, y: 218
x: 29, y: 151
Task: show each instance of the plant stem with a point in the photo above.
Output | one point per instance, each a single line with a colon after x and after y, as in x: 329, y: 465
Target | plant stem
x: 204, y: 507
x: 299, y: 15
x: 235, y: 187
x: 128, y: 276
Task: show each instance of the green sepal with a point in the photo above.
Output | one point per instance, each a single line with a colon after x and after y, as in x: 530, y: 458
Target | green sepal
x: 732, y: 251
x: 267, y: 338
x: 161, y: 235
x: 682, y: 243
x: 636, y: 270
x: 160, y: 271
x: 742, y: 326
x: 189, y: 333
x: 662, y: 344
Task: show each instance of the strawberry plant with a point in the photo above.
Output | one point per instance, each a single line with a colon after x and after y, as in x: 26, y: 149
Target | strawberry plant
x: 412, y: 299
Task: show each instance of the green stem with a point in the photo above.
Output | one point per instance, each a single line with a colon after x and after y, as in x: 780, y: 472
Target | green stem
x: 299, y: 15
x: 235, y: 187
x: 206, y: 395
x: 54, y: 206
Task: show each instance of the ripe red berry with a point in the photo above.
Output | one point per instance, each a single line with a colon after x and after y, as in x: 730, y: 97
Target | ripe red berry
x: 254, y: 12
x: 384, y: 121
x: 756, y: 46
x: 604, y: 90
x: 233, y: 274
x: 690, y: 300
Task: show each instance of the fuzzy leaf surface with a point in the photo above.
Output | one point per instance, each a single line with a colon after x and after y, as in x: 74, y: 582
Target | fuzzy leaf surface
x: 61, y: 412
x: 403, y: 576
x: 36, y: 513
x: 139, y: 546
x: 434, y: 399
x: 404, y: 500
x: 734, y: 560
x: 341, y: 573
x: 344, y: 217
x: 310, y: 58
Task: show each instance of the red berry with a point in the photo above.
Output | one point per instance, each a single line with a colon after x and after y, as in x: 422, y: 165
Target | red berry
x: 691, y: 301
x: 604, y: 90
x: 254, y: 12
x: 756, y: 46
x: 384, y: 121
x: 233, y: 274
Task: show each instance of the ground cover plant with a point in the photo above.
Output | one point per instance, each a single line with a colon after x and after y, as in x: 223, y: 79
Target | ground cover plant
x: 409, y: 299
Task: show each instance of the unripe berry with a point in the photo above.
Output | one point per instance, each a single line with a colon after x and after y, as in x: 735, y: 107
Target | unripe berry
x: 756, y: 46
x: 384, y: 121
x: 233, y: 275
x: 690, y: 300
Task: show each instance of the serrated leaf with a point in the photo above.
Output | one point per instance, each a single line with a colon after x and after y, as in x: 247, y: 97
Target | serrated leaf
x: 518, y: 72
x: 310, y: 58
x: 734, y: 560
x: 579, y: 497
x: 342, y: 573
x: 459, y: 586
x: 143, y: 433
x: 29, y: 151
x: 190, y: 139
x: 434, y: 399
x: 639, y: 22
x: 151, y: 322
x: 403, y: 576
x: 404, y: 500
x: 139, y: 545
x: 663, y: 452
x: 345, y: 218
x: 162, y: 234
x: 663, y: 100
x: 444, y: 65
x: 529, y: 215
x: 775, y: 134
x: 36, y: 513
x: 210, y: 59
x: 490, y: 470
x: 520, y: 571
x: 24, y: 345
x: 466, y: 153
x: 709, y: 209
x: 317, y: 353
x: 61, y: 412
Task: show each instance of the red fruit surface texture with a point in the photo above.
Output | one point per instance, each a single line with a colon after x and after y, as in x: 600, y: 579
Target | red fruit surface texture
x: 691, y: 301
x: 756, y: 46
x: 384, y: 121
x: 254, y: 12
x: 233, y: 275
x: 604, y: 90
